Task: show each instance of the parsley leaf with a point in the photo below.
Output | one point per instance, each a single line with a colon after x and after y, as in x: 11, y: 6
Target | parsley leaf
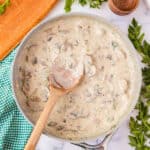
x: 68, y: 4
x: 91, y: 3
x: 3, y: 6
x: 140, y: 125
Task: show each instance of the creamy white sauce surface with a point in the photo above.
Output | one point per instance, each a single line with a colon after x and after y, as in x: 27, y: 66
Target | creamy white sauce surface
x: 105, y: 93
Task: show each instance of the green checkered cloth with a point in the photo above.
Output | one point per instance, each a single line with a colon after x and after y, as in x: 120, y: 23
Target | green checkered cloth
x: 14, y: 129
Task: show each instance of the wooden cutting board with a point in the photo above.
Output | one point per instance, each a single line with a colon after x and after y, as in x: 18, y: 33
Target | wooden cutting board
x: 18, y: 19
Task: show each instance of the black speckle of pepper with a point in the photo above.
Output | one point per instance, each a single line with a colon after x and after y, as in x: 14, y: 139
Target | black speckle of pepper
x: 102, y: 68
x: 20, y: 69
x: 70, y: 138
x: 34, y: 61
x: 74, y: 114
x: 107, y: 101
x: 109, y: 57
x: 58, y: 45
x: 111, y: 76
x: 26, y: 86
x: 28, y: 75
x: 27, y: 103
x: 80, y: 27
x: 76, y: 43
x: 35, y: 99
x: 60, y: 128
x: 48, y: 79
x: 88, y: 29
x: 114, y: 44
x: 49, y: 39
x: 31, y: 46
x: 26, y: 58
x: 70, y: 101
x: 64, y: 120
x: 67, y: 45
x: 98, y: 90
x: 52, y: 124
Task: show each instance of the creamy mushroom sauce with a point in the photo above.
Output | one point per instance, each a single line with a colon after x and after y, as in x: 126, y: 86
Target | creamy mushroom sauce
x: 105, y: 93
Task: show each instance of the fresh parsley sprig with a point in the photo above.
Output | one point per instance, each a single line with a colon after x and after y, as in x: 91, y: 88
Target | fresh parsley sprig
x: 138, y: 41
x: 140, y: 126
x: 91, y: 3
x: 3, y: 6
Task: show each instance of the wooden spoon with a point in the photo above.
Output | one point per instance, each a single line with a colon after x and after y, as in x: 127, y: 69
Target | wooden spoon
x: 62, y: 81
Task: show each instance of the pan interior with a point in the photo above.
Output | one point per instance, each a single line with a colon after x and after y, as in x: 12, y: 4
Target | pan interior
x: 107, y: 92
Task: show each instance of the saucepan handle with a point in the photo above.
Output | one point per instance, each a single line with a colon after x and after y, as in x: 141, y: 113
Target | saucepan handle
x: 101, y: 146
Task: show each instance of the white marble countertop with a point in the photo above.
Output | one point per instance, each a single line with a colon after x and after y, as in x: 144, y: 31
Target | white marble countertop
x: 142, y: 14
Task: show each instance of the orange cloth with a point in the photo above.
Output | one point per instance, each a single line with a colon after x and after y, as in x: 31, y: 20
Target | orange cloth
x: 18, y: 19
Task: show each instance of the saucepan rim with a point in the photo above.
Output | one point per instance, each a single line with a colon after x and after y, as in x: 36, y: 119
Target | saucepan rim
x: 123, y: 36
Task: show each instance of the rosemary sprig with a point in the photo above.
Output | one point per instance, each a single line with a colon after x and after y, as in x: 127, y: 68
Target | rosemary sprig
x: 3, y: 6
x: 91, y: 3
x: 140, y: 125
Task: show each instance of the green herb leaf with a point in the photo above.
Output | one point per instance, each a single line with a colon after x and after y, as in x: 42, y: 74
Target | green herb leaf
x: 83, y: 2
x: 68, y: 4
x: 140, y: 125
x: 91, y: 3
x: 3, y: 6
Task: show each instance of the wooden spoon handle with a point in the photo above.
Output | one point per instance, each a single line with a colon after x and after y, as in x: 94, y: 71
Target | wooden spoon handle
x: 37, y: 131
